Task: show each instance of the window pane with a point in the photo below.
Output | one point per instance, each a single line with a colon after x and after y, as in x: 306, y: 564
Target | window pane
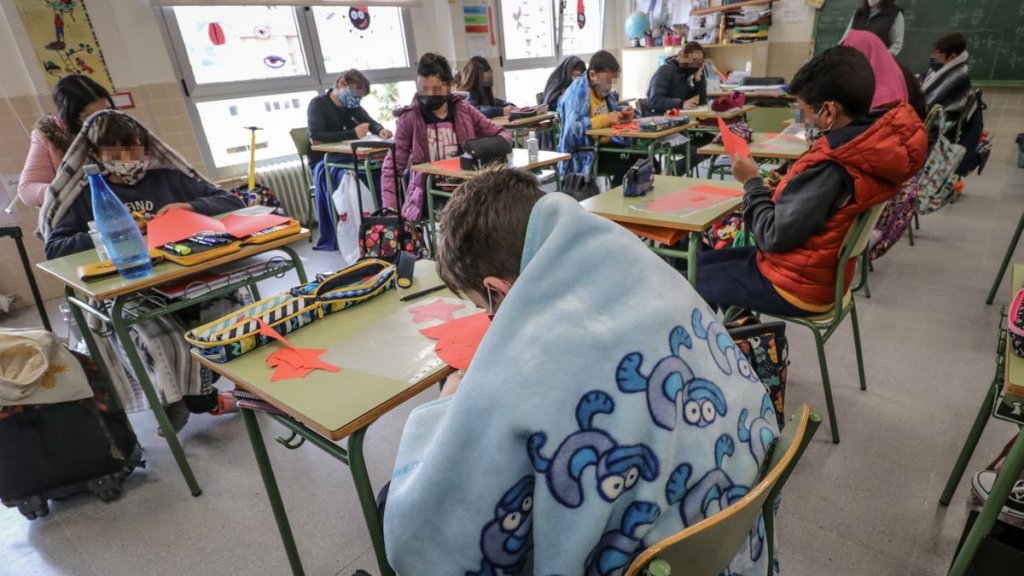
x: 526, y: 29
x: 224, y: 123
x: 232, y: 43
x: 586, y: 40
x: 364, y: 38
x: 522, y: 86
x: 384, y: 98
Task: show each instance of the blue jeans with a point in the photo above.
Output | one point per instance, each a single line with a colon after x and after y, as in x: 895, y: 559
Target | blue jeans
x: 325, y: 187
x: 730, y: 277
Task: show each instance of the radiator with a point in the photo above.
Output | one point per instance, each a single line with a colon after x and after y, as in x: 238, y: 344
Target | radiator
x: 286, y: 180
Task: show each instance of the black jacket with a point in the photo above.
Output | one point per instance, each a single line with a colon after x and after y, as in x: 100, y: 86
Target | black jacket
x: 328, y: 122
x: 670, y: 87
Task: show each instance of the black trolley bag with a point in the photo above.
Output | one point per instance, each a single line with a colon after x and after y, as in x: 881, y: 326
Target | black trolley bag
x: 52, y: 451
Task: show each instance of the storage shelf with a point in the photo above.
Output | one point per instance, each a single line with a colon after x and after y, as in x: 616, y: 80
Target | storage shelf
x: 728, y: 7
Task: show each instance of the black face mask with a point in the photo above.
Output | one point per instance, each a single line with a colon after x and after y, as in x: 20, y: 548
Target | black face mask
x: 935, y: 64
x: 431, y: 102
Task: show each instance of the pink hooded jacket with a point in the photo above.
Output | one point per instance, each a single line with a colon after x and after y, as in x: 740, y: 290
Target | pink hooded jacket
x: 890, y: 84
x: 44, y: 156
x: 411, y: 149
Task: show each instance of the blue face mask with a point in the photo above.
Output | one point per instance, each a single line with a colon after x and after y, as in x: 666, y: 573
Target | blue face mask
x: 348, y: 100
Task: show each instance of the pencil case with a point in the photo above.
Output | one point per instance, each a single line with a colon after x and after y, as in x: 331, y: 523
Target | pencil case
x: 106, y: 269
x: 232, y: 335
x: 264, y: 236
x: 1015, y: 323
x: 199, y: 253
x: 335, y: 291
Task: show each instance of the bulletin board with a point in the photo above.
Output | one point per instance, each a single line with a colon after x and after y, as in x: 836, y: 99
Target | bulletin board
x: 63, y: 40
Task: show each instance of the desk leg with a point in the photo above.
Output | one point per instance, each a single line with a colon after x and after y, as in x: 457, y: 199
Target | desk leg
x: 300, y: 270
x: 431, y: 222
x: 367, y: 499
x: 1007, y: 477
x: 1006, y: 260
x: 259, y: 449
x: 90, y: 343
x: 692, y: 251
x: 558, y: 177
x: 121, y: 330
x: 980, y: 421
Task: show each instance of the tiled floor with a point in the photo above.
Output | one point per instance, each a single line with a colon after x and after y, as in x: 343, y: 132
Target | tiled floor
x: 867, y: 506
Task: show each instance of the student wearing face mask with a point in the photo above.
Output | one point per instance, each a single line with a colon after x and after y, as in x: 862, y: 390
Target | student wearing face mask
x: 151, y: 178
x: 679, y: 82
x: 477, y: 80
x: 948, y: 81
x: 338, y: 115
x: 861, y: 159
x: 588, y: 103
x: 884, y: 19
x: 433, y: 127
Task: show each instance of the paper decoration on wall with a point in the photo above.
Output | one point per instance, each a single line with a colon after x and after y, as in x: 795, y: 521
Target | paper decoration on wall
x: 359, y: 16
x: 261, y: 32
x: 581, y: 14
x: 216, y: 32
x: 63, y: 40
x: 274, y: 61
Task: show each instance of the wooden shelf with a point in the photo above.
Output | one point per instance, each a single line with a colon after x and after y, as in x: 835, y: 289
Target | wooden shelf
x: 728, y: 7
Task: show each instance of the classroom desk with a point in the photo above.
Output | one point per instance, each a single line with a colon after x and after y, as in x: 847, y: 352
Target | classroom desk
x: 771, y: 95
x: 384, y: 362
x: 1004, y: 399
x: 373, y: 158
x: 763, y: 148
x: 644, y: 143
x: 113, y: 300
x: 618, y: 208
x: 345, y: 147
x: 705, y: 112
x: 539, y: 123
x: 520, y: 161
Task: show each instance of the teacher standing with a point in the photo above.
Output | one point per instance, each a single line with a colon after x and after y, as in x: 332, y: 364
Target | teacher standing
x: 884, y: 19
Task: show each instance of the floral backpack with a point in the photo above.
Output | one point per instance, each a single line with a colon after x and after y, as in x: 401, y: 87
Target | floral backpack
x: 895, y: 219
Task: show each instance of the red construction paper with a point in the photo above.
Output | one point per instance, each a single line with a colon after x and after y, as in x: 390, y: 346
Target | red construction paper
x: 458, y: 339
x: 687, y: 200
x: 449, y: 165
x: 241, y: 226
x: 176, y: 224
x: 436, y: 310
x: 734, y: 144
x: 292, y: 362
x: 667, y: 236
x: 709, y: 189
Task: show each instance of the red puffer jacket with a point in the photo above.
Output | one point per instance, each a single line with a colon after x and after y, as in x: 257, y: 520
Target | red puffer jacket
x: 879, y: 161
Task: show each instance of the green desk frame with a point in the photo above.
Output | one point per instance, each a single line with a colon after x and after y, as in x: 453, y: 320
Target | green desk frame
x: 119, y: 313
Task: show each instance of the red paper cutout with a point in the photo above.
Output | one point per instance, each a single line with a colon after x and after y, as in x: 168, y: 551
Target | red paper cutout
x: 458, y: 339
x: 436, y: 310
x: 449, y: 165
x: 734, y: 144
x: 292, y: 362
x: 690, y: 199
x: 177, y: 224
x: 242, y: 226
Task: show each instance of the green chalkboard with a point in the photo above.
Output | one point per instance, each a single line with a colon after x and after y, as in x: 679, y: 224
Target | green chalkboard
x: 994, y: 31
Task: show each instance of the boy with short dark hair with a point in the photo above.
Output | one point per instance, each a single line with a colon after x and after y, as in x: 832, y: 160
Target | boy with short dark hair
x: 859, y: 161
x: 588, y: 103
x: 948, y: 81
x: 605, y: 409
x: 679, y: 82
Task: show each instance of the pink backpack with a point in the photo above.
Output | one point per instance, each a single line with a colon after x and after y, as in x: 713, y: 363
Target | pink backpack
x: 895, y: 219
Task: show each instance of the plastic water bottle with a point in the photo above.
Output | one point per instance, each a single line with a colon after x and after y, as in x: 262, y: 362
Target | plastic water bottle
x: 121, y: 236
x: 532, y: 147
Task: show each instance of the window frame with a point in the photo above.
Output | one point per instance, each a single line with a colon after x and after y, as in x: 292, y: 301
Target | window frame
x: 316, y: 79
x: 558, y: 11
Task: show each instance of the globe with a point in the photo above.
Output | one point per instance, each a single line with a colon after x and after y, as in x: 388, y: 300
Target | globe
x: 637, y: 25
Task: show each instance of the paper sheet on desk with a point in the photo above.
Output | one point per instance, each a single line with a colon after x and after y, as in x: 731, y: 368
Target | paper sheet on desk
x: 394, y: 348
x: 689, y: 200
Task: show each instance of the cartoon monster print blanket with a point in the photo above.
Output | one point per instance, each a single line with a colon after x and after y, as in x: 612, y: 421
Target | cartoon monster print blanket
x: 605, y: 409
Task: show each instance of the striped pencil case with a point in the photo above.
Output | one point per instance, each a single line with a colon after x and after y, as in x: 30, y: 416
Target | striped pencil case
x: 336, y: 291
x: 228, y: 337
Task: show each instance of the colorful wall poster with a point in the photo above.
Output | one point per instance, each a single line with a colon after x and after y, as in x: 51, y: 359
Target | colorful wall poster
x: 64, y: 40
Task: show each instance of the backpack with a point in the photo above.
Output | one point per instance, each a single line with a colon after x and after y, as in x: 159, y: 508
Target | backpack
x: 936, y: 178
x: 766, y: 348
x: 895, y: 219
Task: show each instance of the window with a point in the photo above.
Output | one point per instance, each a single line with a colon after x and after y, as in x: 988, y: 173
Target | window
x: 370, y: 38
x: 261, y: 66
x: 531, y: 47
x: 232, y: 43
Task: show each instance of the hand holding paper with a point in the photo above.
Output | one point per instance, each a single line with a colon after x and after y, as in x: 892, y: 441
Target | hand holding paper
x: 734, y: 144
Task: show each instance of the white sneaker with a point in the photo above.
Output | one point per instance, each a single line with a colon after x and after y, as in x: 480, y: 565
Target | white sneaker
x: 981, y: 486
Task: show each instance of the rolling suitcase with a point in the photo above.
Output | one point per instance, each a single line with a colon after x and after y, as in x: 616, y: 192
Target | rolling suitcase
x: 52, y: 451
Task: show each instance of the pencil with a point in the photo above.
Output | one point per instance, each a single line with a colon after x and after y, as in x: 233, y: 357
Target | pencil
x: 415, y: 295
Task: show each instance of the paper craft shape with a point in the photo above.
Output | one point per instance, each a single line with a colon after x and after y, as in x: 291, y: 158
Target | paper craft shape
x: 241, y: 226
x: 292, y: 362
x: 458, y: 339
x: 436, y: 310
x: 667, y: 236
x: 449, y: 165
x: 176, y: 225
x: 690, y: 199
x: 734, y: 144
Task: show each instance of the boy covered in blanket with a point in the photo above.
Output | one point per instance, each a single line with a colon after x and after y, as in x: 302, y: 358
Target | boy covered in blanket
x: 605, y: 409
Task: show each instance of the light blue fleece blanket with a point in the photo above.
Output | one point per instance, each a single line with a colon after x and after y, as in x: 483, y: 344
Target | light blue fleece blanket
x: 605, y: 409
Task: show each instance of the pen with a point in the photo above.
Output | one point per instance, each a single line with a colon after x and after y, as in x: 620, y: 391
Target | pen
x: 178, y: 249
x: 208, y: 241
x: 415, y: 295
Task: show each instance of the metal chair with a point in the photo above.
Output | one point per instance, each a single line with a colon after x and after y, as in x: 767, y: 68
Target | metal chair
x: 707, y: 547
